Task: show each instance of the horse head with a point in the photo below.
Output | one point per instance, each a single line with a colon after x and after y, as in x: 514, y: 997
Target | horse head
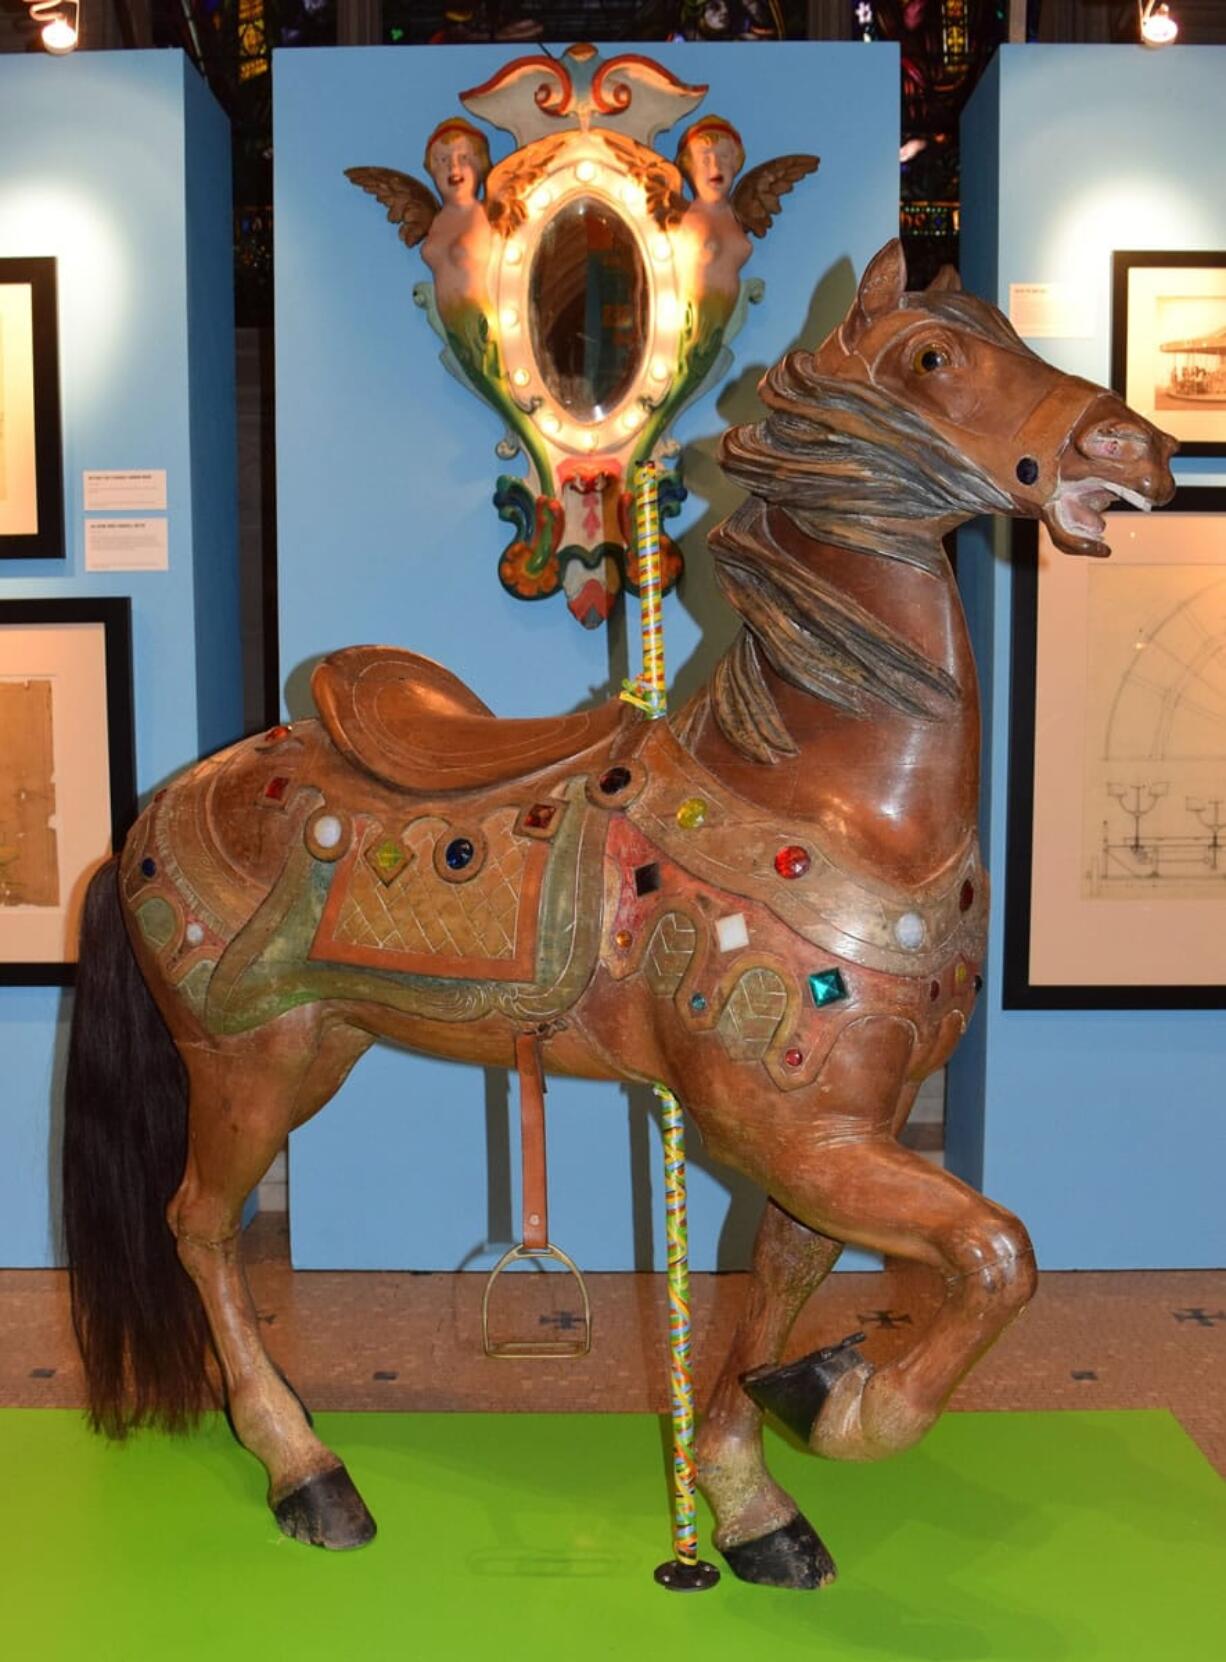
x: 1050, y: 445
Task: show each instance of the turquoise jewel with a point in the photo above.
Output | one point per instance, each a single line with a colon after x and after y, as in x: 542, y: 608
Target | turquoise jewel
x: 827, y: 987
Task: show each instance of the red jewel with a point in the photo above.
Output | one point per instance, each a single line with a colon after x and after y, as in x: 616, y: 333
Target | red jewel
x: 793, y: 1057
x: 276, y: 788
x: 539, y: 816
x: 277, y: 733
x: 793, y: 861
x: 934, y: 990
x: 623, y: 939
x: 967, y: 897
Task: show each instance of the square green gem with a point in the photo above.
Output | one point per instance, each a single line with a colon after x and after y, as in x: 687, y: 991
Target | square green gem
x: 827, y: 987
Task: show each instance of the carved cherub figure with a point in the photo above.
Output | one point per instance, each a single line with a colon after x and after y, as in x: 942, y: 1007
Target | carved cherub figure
x: 718, y: 222
x: 454, y: 232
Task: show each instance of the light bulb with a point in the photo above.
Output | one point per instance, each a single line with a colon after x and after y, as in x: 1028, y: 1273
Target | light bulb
x: 659, y: 370
x: 509, y: 317
x: 520, y: 376
x: 550, y: 423
x: 515, y: 253
x: 585, y: 172
x: 540, y: 199
x: 59, y: 36
x: 1158, y: 27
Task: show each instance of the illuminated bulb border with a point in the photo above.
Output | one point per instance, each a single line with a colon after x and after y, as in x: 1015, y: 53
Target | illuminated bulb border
x: 616, y: 435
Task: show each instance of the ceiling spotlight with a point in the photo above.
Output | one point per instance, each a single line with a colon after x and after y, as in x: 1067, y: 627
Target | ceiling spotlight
x: 1158, y: 27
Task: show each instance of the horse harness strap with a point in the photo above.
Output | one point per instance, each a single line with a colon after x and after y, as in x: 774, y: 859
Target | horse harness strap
x: 534, y: 1243
x: 535, y: 1175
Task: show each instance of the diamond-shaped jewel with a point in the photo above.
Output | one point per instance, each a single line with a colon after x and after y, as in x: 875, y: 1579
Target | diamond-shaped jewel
x: 540, y: 816
x: 827, y: 987
x: 387, y: 859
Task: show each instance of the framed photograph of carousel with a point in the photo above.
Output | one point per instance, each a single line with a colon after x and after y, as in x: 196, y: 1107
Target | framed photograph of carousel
x: 67, y: 774
x: 1115, y: 887
x: 31, y: 459
x: 1168, y: 343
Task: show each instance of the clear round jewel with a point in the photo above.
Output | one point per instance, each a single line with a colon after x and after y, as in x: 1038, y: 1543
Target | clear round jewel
x: 909, y: 931
x: 327, y: 831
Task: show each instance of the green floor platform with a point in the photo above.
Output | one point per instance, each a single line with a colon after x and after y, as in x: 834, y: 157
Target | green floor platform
x: 1028, y: 1537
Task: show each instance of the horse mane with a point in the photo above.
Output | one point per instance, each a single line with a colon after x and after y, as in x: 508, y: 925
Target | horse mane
x: 849, y: 465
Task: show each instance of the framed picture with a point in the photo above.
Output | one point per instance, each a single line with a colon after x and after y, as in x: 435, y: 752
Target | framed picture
x: 31, y: 458
x: 1115, y: 883
x: 1168, y: 344
x: 67, y: 775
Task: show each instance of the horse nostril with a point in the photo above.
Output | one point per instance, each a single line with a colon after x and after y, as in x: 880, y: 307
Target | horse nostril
x: 1028, y: 470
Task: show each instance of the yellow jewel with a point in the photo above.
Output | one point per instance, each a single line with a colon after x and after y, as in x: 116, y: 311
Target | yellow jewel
x: 692, y: 813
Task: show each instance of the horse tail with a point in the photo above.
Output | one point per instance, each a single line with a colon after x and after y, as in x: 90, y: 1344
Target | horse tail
x: 138, y: 1319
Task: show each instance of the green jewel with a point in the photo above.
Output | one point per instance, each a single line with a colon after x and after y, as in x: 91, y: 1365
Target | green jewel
x: 827, y: 987
x: 387, y: 859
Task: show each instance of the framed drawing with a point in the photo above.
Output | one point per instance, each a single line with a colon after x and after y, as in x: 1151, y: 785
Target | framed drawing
x: 67, y: 774
x: 1168, y: 343
x: 1115, y: 887
x: 31, y: 461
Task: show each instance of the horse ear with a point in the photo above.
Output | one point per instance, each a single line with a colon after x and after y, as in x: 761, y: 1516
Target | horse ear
x: 946, y: 279
x: 881, y: 288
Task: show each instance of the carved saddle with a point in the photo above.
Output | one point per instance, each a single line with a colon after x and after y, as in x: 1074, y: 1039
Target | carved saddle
x: 415, y: 726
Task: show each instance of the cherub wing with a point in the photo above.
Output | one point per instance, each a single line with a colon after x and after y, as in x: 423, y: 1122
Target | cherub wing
x: 662, y: 182
x: 511, y: 182
x: 756, y: 200
x: 409, y: 203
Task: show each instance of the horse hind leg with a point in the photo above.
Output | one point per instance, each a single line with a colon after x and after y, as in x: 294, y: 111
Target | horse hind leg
x: 759, y: 1529
x: 853, y: 1181
x: 245, y: 1095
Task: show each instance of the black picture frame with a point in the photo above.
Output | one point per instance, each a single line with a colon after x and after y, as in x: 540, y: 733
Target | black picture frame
x: 1123, y: 263
x: 1018, y: 991
x: 47, y: 542
x: 114, y: 615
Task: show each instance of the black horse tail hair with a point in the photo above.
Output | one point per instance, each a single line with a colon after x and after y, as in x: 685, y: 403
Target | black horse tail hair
x: 138, y: 1319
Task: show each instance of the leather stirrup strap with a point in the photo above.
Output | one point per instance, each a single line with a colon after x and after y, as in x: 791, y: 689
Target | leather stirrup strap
x: 535, y: 1225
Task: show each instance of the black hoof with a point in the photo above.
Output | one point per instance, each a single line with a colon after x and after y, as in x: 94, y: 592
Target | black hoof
x: 326, y: 1511
x: 795, y: 1392
x: 791, y: 1556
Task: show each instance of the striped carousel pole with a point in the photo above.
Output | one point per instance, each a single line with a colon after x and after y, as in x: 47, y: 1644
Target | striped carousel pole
x: 684, y: 1571
x: 649, y: 692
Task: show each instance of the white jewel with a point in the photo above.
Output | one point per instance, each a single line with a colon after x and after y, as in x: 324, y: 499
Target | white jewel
x: 194, y: 934
x: 327, y: 831
x: 732, y: 932
x: 909, y: 931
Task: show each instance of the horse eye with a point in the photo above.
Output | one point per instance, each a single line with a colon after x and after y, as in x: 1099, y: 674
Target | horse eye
x: 929, y: 359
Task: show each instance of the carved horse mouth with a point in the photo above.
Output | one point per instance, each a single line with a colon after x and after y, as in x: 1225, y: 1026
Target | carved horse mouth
x: 1119, y: 444
x: 1077, y: 509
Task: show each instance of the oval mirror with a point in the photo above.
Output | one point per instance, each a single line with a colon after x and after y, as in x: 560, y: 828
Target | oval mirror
x: 588, y: 304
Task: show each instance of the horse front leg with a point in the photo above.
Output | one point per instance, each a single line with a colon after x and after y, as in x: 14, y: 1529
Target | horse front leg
x: 847, y: 1176
x: 244, y: 1098
x: 758, y: 1527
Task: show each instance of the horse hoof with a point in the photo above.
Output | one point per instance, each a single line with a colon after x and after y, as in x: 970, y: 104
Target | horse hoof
x: 326, y: 1511
x: 795, y: 1392
x: 793, y: 1555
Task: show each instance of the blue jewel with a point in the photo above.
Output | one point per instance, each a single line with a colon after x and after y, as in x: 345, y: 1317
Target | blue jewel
x: 827, y: 987
x: 697, y: 1002
x: 458, y: 853
x: 149, y: 867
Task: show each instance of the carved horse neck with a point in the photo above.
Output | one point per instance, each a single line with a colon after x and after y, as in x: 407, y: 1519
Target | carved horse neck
x: 892, y: 794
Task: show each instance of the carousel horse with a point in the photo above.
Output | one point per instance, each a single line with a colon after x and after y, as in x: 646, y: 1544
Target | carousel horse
x: 772, y: 903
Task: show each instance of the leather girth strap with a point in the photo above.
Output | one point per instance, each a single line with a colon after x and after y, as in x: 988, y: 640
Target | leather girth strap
x: 532, y: 1140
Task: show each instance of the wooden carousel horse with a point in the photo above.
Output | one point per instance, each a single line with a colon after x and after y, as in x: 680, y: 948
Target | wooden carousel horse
x: 772, y: 903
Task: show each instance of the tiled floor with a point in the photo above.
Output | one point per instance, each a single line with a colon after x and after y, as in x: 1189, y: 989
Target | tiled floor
x: 402, y: 1341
